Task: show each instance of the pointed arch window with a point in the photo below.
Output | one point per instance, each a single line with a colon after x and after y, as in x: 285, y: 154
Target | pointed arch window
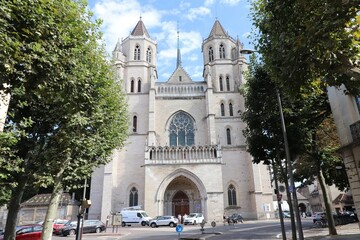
x: 227, y: 83
x: 148, y: 55
x: 222, y: 51
x: 132, y: 86
x: 133, y: 197
x: 137, y: 52
x: 222, y: 109
x: 135, y: 124
x: 139, y: 86
x: 221, y: 84
x: 228, y: 136
x: 231, y: 112
x: 181, y: 130
x: 211, y: 54
x: 232, y: 195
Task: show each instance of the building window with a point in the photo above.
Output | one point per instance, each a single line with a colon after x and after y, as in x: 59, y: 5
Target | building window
x: 221, y: 84
x: 222, y: 109
x: 228, y: 136
x: 148, y: 55
x: 132, y: 86
x: 357, y: 99
x: 227, y: 83
x: 222, y: 51
x: 135, y: 124
x: 231, y: 113
x: 232, y: 195
x: 181, y: 130
x: 137, y: 53
x: 133, y: 197
x: 180, y: 78
x: 139, y: 85
x: 211, y: 54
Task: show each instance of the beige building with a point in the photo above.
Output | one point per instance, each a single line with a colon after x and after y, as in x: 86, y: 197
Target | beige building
x: 34, y: 209
x: 4, y: 104
x: 345, y: 108
x: 186, y: 151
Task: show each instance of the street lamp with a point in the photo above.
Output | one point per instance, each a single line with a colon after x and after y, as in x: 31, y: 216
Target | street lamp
x: 288, y: 158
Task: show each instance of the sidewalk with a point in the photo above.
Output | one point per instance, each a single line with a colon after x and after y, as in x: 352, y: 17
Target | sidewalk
x: 345, y: 232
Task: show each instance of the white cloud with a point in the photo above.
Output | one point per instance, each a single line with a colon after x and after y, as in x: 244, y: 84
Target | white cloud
x: 189, y: 43
x: 246, y: 35
x: 120, y: 17
x: 230, y: 2
x: 209, y: 2
x: 197, y: 12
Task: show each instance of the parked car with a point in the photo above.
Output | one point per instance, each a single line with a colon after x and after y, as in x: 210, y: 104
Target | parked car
x: 69, y: 228
x: 286, y: 214
x: 58, y: 225
x: 90, y: 226
x: 319, y: 216
x: 164, y: 221
x: 194, y: 218
x: 27, y: 232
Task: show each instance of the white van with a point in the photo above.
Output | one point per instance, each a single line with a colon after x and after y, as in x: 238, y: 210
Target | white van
x: 134, y: 216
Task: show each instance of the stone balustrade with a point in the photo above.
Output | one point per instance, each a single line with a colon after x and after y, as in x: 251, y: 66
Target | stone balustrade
x: 183, y: 155
x: 181, y: 90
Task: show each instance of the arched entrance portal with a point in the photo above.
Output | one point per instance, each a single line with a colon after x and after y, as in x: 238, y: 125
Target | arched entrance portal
x: 180, y: 203
x: 182, y: 197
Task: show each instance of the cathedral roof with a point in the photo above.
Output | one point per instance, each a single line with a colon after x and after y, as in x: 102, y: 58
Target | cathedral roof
x: 140, y: 30
x: 217, y: 30
x: 179, y: 76
x: 118, y: 47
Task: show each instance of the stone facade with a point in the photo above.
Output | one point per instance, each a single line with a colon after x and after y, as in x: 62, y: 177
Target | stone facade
x: 186, y: 151
x: 345, y: 109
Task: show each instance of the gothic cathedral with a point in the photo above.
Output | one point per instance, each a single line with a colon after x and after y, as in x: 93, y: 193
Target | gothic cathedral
x: 186, y: 152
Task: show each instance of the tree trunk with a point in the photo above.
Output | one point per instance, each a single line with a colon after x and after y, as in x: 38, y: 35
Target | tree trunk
x: 51, y: 212
x: 14, y: 208
x: 288, y: 194
x: 329, y: 215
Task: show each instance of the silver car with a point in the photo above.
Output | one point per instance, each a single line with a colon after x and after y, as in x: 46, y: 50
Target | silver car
x: 163, y: 221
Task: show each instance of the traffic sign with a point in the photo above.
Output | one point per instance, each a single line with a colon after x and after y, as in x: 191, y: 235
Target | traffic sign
x: 179, y: 228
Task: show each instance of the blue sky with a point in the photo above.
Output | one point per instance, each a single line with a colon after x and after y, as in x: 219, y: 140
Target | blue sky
x: 195, y: 19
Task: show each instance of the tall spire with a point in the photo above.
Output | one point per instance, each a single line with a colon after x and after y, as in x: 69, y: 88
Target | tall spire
x: 140, y: 29
x: 217, y: 30
x: 178, y: 62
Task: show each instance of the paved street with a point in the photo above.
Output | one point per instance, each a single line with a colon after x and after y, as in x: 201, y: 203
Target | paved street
x: 248, y: 230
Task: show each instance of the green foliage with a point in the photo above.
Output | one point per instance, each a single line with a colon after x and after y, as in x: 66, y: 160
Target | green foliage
x: 305, y: 114
x: 302, y: 40
x: 66, y: 110
x: 321, y: 154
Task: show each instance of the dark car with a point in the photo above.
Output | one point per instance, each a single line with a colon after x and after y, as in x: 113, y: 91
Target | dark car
x: 90, y: 226
x: 28, y: 232
x: 236, y: 218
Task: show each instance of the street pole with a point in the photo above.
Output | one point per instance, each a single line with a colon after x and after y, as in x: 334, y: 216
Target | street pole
x: 278, y: 201
x: 289, y: 165
x: 84, y: 213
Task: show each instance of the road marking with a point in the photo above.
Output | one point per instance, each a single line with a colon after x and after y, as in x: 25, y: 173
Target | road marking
x: 251, y: 228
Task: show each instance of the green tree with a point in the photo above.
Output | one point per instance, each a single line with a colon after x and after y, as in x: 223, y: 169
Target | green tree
x: 304, y: 113
x: 66, y: 113
x: 303, y: 40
